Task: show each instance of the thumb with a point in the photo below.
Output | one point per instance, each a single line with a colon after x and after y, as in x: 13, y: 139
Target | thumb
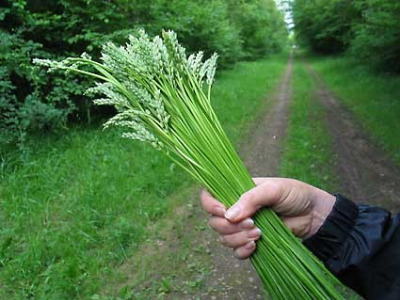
x: 262, y: 195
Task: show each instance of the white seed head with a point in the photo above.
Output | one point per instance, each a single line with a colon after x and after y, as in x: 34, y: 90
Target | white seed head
x: 84, y: 55
x: 113, y: 97
x: 195, y: 62
x: 211, y: 69
x: 138, y: 80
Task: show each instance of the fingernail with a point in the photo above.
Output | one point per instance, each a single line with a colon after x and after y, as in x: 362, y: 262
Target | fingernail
x: 250, y: 245
x: 254, y: 234
x: 248, y: 224
x: 232, y: 213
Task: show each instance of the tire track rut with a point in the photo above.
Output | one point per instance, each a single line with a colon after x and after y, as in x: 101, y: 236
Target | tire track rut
x: 366, y: 174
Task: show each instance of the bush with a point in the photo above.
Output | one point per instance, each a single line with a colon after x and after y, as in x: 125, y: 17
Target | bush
x: 262, y: 27
x: 25, y: 105
x: 377, y: 34
x: 32, y: 101
x: 368, y: 29
x: 325, y: 25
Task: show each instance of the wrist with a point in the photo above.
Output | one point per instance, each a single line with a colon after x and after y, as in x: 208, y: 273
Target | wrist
x: 336, y: 230
x: 323, y: 204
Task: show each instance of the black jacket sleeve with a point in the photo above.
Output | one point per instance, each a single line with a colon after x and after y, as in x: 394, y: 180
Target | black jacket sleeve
x: 360, y: 244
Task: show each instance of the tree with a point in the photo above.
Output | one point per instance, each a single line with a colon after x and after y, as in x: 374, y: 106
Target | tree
x: 324, y: 25
x: 377, y: 34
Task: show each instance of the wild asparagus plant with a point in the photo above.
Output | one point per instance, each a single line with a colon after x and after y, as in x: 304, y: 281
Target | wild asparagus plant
x: 163, y: 98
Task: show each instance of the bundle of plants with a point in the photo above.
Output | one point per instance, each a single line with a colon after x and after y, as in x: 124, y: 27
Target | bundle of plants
x: 163, y: 97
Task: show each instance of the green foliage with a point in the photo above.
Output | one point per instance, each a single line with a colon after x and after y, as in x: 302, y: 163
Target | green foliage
x: 8, y: 115
x: 24, y: 107
x: 368, y: 29
x: 377, y: 34
x: 261, y: 25
x: 55, y: 29
x: 200, y: 25
x: 77, y: 206
x: 323, y: 25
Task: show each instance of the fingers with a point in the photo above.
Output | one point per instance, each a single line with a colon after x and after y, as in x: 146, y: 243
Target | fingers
x: 245, y: 251
x: 241, y: 238
x: 223, y: 226
x: 212, y: 205
x: 267, y: 193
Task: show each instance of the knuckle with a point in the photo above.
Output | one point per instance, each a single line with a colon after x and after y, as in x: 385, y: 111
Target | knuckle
x: 202, y: 197
x: 217, y: 224
x: 213, y: 223
x: 227, y: 240
x: 235, y: 240
x: 222, y: 240
x: 224, y: 227
x: 248, y: 196
x: 205, y: 206
x: 206, y: 200
x: 240, y: 254
x: 250, y: 199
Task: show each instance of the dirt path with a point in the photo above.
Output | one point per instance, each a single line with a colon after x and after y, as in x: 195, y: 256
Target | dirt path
x: 232, y: 279
x: 366, y: 174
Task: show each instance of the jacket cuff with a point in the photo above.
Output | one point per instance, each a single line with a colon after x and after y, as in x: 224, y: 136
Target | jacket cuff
x: 327, y: 242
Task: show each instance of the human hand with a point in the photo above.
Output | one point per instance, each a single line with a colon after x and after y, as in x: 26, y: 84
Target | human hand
x: 302, y: 207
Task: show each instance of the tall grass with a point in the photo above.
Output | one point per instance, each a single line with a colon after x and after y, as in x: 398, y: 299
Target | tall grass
x: 79, y: 203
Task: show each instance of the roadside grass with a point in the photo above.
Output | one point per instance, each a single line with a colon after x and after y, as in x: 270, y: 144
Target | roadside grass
x: 76, y: 207
x: 173, y: 261
x: 307, y: 152
x: 373, y: 98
